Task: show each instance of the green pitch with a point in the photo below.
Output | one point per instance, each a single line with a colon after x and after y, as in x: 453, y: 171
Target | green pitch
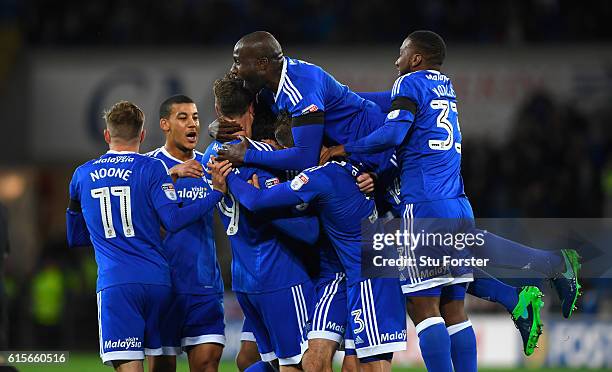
x: 91, y: 363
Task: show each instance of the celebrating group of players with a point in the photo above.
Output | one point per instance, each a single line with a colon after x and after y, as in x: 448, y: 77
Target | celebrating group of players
x: 299, y: 164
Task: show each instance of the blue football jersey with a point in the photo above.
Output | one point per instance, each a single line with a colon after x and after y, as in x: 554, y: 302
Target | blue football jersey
x: 430, y: 155
x: 191, y: 252
x: 306, y: 88
x: 119, y: 194
x: 261, y: 260
x: 329, y: 262
x: 332, y: 191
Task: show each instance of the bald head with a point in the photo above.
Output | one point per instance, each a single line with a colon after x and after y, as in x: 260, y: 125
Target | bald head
x: 260, y: 44
x: 258, y: 60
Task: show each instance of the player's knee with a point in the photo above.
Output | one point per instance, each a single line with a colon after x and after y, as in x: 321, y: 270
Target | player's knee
x: 319, y: 355
x: 246, y: 357
x: 453, y: 312
x: 205, y: 357
x: 206, y: 365
x: 420, y: 308
x: 350, y: 363
x: 164, y: 363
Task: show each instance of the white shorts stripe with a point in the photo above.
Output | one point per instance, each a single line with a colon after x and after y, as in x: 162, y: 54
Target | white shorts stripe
x: 374, y: 340
x: 373, y: 311
x: 99, y: 298
x: 298, y: 312
x: 317, y: 317
x: 304, y: 312
x: 366, y: 315
x: 335, y: 284
x: 412, y: 248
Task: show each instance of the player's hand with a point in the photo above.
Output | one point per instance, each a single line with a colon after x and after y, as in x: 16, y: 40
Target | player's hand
x: 190, y: 168
x: 365, y: 181
x: 224, y: 129
x: 254, y: 180
x: 331, y: 152
x: 234, y: 153
x: 219, y: 171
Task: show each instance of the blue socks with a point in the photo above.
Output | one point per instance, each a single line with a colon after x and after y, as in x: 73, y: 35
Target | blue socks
x: 508, y: 254
x: 491, y: 289
x: 260, y: 367
x: 463, y: 347
x: 435, y: 345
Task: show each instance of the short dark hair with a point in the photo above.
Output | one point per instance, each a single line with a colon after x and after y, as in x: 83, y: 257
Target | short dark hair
x: 166, y: 107
x: 231, y: 96
x: 124, y: 120
x: 430, y: 44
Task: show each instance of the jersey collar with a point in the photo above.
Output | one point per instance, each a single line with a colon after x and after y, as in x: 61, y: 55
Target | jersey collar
x: 167, y: 154
x: 281, y: 82
x: 120, y: 152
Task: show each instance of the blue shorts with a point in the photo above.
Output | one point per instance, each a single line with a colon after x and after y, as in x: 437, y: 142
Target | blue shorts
x: 129, y: 319
x: 441, y: 218
x: 247, y: 331
x: 378, y: 316
x: 193, y: 320
x: 279, y: 320
x: 330, y: 314
x: 349, y: 340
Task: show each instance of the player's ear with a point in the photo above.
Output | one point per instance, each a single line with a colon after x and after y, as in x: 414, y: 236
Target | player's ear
x: 164, y: 125
x: 107, y: 136
x: 251, y: 108
x: 143, y: 134
x: 417, y: 59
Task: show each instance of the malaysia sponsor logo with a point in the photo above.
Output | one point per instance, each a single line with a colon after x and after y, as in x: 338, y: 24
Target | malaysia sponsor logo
x: 169, y: 190
x: 299, y: 181
x: 309, y: 109
x: 126, y: 343
x: 196, y: 192
x: 395, y: 336
x: 332, y: 326
x: 115, y: 159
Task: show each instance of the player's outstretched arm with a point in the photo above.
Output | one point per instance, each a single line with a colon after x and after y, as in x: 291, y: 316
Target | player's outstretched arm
x: 173, y: 217
x: 391, y: 134
x: 307, y: 138
x: 301, y: 228
x: 254, y: 199
x: 382, y: 99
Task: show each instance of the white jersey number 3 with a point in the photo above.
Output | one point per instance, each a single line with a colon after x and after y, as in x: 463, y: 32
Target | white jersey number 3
x: 443, y: 122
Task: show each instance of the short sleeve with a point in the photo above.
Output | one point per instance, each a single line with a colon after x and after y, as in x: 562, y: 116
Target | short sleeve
x: 405, y: 99
x: 309, y: 104
x: 162, y: 191
x: 307, y: 185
